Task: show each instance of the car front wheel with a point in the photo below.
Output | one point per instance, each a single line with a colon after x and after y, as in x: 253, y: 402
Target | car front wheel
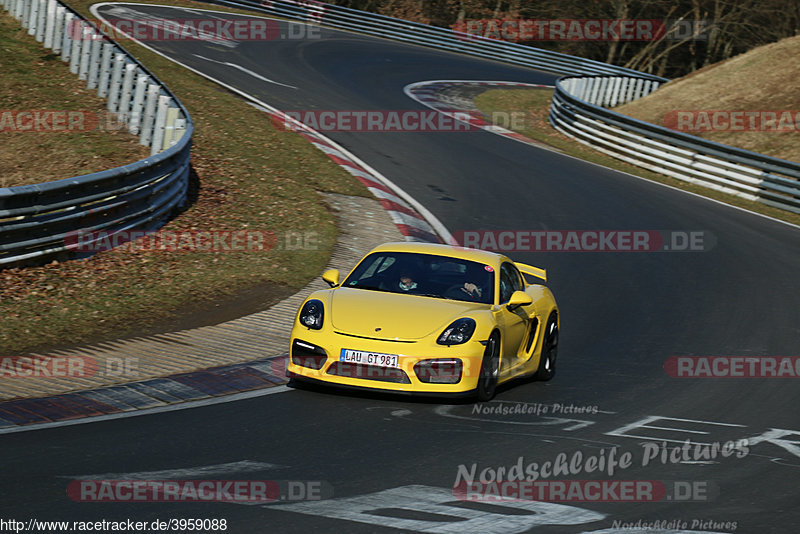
x: 547, y: 361
x: 490, y: 366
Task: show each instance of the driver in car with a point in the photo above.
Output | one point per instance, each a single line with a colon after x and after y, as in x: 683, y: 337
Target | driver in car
x: 407, y: 283
x: 472, y: 290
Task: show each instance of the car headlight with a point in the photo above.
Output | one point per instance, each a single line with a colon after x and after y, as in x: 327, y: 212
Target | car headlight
x: 458, y: 332
x: 311, y: 314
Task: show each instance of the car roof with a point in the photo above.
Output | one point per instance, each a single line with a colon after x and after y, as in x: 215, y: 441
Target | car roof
x: 471, y: 254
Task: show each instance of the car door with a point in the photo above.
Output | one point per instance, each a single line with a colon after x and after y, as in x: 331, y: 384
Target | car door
x: 514, y: 323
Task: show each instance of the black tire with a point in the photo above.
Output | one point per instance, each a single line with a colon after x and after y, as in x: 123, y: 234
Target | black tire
x: 547, y: 361
x: 490, y: 366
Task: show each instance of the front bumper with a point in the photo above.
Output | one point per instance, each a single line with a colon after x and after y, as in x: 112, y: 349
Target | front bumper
x: 313, y: 365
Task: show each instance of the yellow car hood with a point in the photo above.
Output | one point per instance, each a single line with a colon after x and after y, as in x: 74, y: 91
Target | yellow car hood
x: 377, y: 314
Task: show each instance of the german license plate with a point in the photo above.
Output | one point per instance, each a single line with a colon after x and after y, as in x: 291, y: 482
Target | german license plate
x: 370, y: 358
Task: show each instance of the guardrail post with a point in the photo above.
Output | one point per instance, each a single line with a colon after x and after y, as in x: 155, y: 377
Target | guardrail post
x: 580, y: 90
x: 631, y: 87
x: 579, y: 84
x: 126, y: 97
x: 179, y: 130
x: 105, y: 69
x: 115, y: 86
x: 169, y: 128
x: 33, y: 23
x: 601, y: 91
x: 76, y: 40
x: 595, y: 90
x: 609, y: 92
x: 29, y: 18
x: 612, y: 89
x: 622, y: 91
x: 58, y: 29
x: 94, y: 61
x: 137, y: 104
x: 151, y: 101
x: 41, y: 21
x: 639, y: 88
x: 50, y: 23
x: 86, y: 51
x: 159, y: 129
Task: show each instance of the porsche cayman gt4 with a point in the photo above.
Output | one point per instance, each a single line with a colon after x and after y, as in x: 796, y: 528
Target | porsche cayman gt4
x: 427, y: 319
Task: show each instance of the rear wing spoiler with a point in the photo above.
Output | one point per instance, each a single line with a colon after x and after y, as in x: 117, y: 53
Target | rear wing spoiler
x: 531, y: 270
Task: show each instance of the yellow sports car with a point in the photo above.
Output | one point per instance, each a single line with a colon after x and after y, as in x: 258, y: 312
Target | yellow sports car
x: 427, y: 319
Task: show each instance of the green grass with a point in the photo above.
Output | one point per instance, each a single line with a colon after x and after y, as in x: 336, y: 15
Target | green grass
x: 251, y: 176
x: 535, y: 104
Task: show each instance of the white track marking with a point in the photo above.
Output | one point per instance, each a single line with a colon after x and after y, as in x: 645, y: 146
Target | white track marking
x: 645, y: 424
x: 375, y: 509
x: 246, y: 71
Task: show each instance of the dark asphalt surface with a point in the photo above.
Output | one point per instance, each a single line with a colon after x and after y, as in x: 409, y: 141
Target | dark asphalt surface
x: 623, y: 315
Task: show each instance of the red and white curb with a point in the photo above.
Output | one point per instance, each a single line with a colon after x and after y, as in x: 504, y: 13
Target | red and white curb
x: 428, y: 93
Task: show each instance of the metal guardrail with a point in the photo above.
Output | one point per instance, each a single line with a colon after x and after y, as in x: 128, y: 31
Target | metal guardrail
x: 343, y: 18
x: 41, y: 221
x: 577, y: 111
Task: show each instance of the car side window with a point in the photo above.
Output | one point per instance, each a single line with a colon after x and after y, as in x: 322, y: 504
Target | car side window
x: 516, y: 276
x: 510, y: 281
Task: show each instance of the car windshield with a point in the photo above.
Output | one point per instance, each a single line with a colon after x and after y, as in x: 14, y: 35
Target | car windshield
x: 424, y: 275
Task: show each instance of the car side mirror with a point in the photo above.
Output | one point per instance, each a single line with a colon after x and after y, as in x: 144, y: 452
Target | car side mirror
x: 332, y: 277
x: 518, y: 298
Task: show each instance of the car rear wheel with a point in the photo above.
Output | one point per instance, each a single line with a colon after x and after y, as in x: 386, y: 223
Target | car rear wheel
x: 547, y: 361
x: 490, y: 366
